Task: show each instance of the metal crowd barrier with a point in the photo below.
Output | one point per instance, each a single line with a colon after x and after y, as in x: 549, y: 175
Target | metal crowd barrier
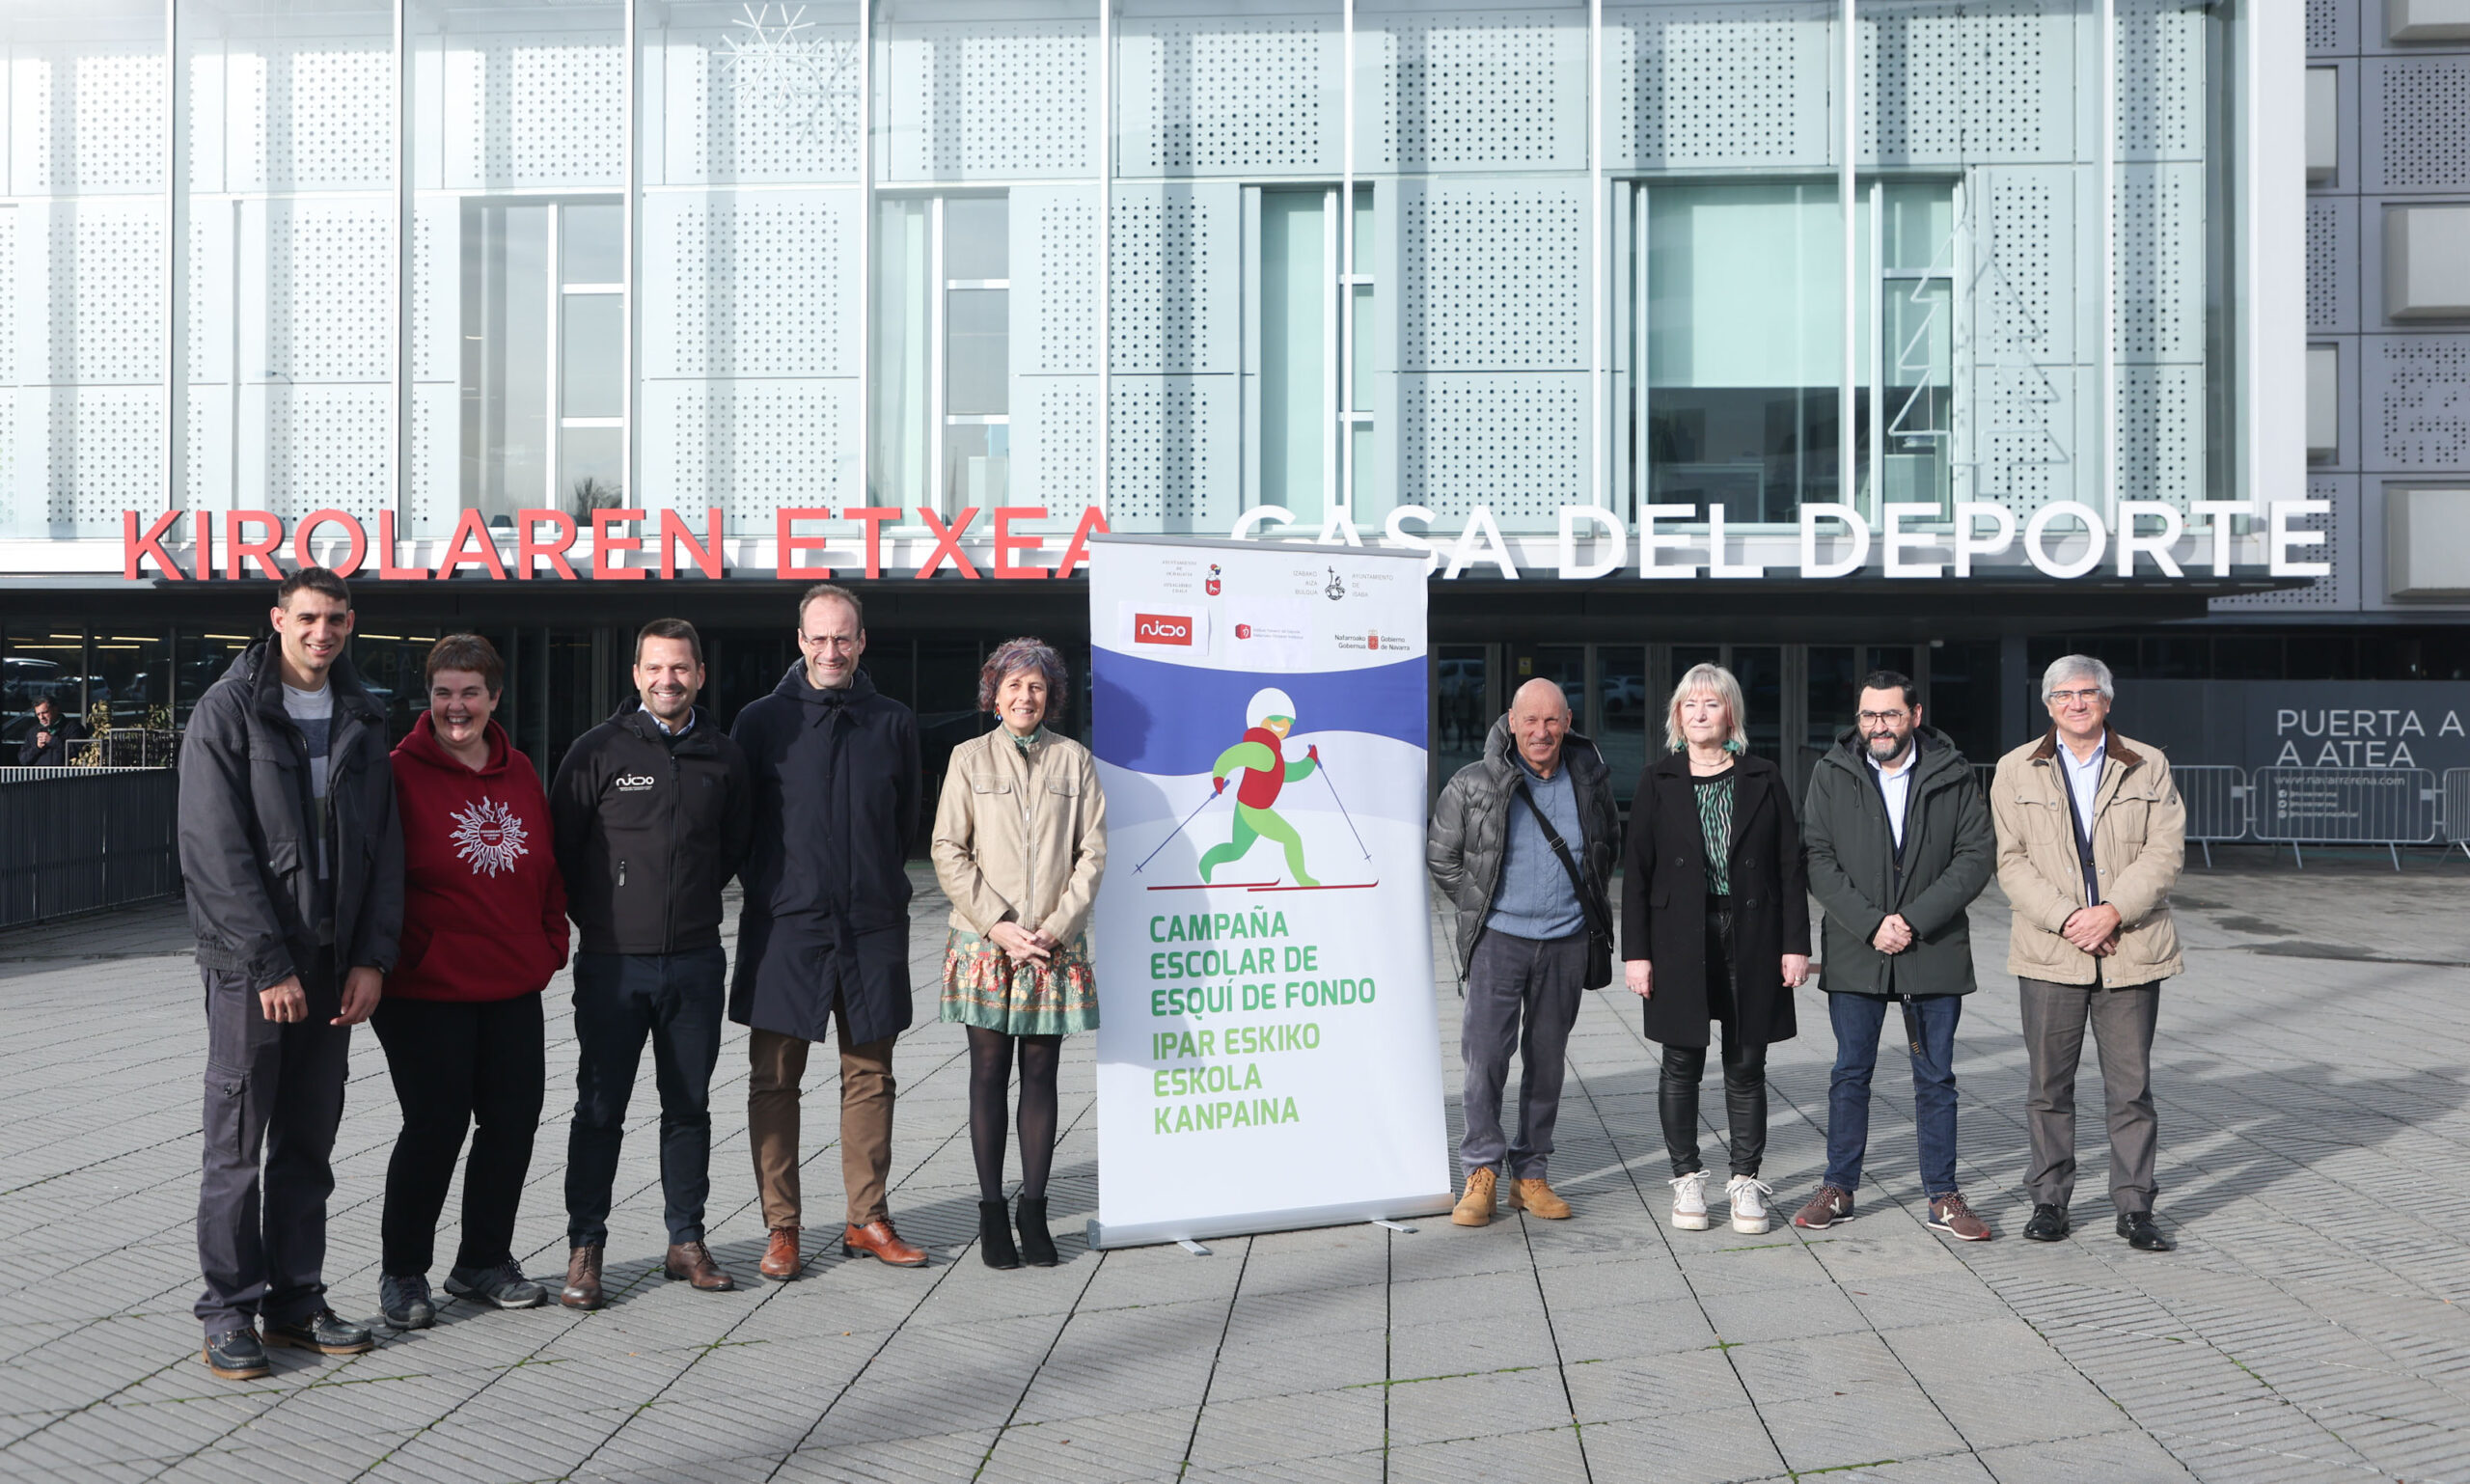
x: 2388, y: 807
x: 2217, y: 799
x: 2457, y: 809
x: 76, y: 839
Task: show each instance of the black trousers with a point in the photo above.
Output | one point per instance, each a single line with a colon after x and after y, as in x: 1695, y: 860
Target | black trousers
x: 676, y: 1001
x: 273, y: 1093
x: 1745, y: 1070
x: 459, y: 1068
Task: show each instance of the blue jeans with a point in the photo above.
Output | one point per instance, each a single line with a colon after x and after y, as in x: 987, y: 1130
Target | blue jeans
x: 1857, y: 1019
x: 621, y: 1000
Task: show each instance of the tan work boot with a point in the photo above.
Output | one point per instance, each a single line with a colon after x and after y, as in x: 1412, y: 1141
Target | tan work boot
x: 1475, y: 1207
x: 1536, y: 1198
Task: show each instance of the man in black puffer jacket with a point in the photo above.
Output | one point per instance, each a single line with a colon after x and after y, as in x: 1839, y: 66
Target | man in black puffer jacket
x: 1900, y: 842
x: 654, y: 808
x: 824, y: 936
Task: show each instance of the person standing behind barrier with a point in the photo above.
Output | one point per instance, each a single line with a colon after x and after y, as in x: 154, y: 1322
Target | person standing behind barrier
x: 1716, y: 925
x: 484, y: 929
x: 1019, y: 842
x: 1522, y: 843
x: 2091, y: 836
x: 653, y: 809
x: 1900, y: 843
x: 46, y: 744
x: 823, y: 939
x: 292, y: 862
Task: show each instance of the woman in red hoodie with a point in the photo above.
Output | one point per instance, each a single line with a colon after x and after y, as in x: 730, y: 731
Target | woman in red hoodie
x: 485, y: 927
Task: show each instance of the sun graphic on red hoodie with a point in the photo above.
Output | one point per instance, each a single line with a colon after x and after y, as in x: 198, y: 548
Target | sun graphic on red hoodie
x: 488, y: 836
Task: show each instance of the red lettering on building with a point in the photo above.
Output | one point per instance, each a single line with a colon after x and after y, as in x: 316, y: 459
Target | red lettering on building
x: 135, y: 548
x: 526, y: 549
x: 787, y: 543
x: 353, y: 554
x: 238, y: 548
x: 607, y: 544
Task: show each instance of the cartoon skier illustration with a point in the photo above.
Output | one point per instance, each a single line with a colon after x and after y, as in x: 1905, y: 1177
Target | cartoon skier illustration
x: 1261, y: 761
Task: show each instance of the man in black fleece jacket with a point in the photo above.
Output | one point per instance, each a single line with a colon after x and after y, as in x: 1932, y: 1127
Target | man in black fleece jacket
x: 652, y: 810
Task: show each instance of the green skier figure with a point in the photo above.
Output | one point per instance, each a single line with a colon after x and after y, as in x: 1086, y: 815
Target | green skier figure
x: 1261, y: 759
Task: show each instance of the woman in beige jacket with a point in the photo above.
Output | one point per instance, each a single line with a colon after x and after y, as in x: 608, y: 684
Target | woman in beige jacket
x: 1020, y: 841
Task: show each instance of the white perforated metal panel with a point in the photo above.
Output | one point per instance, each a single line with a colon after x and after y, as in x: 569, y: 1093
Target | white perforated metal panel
x: 205, y: 338
x: 2339, y: 525
x: 2158, y: 226
x: 2324, y: 264
x: 324, y: 445
x: 1474, y: 90
x: 1230, y: 94
x: 1172, y: 452
x: 1713, y: 85
x: 1514, y: 442
x: 2027, y: 435
x: 309, y: 116
x: 205, y: 449
x: 1976, y: 84
x: 2418, y: 394
x: 2422, y: 127
x: 772, y: 95
x: 2324, y: 29
x: 1055, y: 280
x: 432, y: 488
x: 2160, y: 432
x: 1171, y: 303
x: 2023, y: 223
x: 1055, y: 442
x: 99, y: 290
x: 2160, y: 80
x: 1491, y: 276
x: 85, y: 119
x: 536, y: 112
x: 437, y: 295
x: 751, y: 446
x: 99, y: 451
x: 329, y: 292
x: 990, y: 99
x: 754, y: 284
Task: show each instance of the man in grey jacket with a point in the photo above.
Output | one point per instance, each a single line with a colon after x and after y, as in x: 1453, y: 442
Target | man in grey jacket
x: 1522, y: 930
x: 293, y: 866
x: 1900, y: 843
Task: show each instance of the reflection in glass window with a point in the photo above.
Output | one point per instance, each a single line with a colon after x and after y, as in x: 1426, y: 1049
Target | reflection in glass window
x: 941, y: 364
x: 1745, y: 345
x: 543, y: 380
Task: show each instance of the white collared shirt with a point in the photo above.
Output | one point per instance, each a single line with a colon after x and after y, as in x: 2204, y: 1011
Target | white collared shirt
x: 1895, y: 785
x: 2084, y: 778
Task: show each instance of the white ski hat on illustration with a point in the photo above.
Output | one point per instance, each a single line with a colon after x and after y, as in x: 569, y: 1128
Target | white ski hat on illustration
x: 1266, y: 703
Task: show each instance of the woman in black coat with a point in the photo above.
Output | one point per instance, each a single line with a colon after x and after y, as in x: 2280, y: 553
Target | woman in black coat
x: 1716, y: 925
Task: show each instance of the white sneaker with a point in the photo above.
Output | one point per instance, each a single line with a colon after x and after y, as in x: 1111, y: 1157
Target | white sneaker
x: 1690, y: 1201
x: 1748, y: 1196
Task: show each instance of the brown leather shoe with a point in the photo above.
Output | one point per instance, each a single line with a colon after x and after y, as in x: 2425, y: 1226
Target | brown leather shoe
x: 1475, y: 1207
x: 877, y: 1239
x: 693, y: 1262
x: 582, y: 1278
x: 781, y: 1259
x: 1537, y: 1198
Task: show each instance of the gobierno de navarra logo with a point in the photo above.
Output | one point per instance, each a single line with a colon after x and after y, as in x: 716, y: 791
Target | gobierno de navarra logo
x: 1150, y: 628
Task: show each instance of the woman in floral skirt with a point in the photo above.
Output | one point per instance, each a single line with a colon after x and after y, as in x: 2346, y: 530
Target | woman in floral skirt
x: 1019, y: 841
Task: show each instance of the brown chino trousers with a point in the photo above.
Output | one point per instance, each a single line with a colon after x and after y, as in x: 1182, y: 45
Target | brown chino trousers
x: 866, y: 1123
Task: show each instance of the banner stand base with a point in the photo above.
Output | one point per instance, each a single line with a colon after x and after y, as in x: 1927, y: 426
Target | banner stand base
x: 1103, y: 1235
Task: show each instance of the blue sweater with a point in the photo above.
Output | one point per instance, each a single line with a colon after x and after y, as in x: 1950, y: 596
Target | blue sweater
x: 1535, y: 899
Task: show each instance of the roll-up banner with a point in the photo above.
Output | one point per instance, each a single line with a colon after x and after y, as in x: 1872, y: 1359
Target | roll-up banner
x: 1268, y: 1051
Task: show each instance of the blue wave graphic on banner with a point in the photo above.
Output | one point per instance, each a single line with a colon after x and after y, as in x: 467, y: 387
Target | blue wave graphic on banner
x: 1176, y: 719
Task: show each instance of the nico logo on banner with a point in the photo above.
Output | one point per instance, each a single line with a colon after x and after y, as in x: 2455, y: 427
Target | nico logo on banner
x: 1164, y: 626
x: 1154, y: 629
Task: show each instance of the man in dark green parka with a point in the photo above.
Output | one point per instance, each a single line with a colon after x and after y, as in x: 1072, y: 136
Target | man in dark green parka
x: 1900, y: 842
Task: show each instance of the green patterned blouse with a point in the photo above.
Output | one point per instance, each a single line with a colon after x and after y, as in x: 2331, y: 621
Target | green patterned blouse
x: 1716, y: 818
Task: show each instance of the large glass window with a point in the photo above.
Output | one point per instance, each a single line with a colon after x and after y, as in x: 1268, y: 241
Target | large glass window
x: 1744, y: 325
x: 943, y: 363
x: 544, y: 386
x: 1316, y: 372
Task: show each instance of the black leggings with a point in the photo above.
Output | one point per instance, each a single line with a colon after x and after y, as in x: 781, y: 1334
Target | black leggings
x: 990, y: 1075
x: 1745, y: 1071
x: 459, y: 1068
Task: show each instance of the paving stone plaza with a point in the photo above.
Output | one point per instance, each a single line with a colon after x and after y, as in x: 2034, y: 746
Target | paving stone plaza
x: 2312, y: 1070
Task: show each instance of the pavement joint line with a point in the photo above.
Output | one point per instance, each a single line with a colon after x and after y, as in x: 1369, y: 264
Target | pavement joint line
x: 1552, y: 1332
x: 1234, y: 1295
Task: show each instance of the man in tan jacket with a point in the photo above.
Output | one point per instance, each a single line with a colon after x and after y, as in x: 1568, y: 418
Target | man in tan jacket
x: 2091, y: 835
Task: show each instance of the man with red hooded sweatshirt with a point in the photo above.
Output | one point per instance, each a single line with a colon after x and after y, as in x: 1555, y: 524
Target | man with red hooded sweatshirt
x: 485, y: 927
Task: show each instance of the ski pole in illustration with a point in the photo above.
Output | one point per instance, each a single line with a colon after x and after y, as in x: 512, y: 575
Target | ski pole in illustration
x: 1178, y: 830
x: 1342, y: 807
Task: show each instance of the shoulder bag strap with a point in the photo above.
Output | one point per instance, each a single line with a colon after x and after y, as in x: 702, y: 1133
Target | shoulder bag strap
x: 1560, y: 848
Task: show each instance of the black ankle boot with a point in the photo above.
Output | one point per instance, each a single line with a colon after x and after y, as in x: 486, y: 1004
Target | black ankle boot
x: 1038, y: 1249
x: 995, y: 1236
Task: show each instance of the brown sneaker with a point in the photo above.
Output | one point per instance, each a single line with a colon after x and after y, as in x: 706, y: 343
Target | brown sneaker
x: 1536, y: 1198
x: 693, y: 1262
x: 1831, y: 1204
x: 1475, y: 1207
x: 877, y: 1239
x: 781, y: 1259
x: 1949, y: 1214
x: 582, y: 1278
